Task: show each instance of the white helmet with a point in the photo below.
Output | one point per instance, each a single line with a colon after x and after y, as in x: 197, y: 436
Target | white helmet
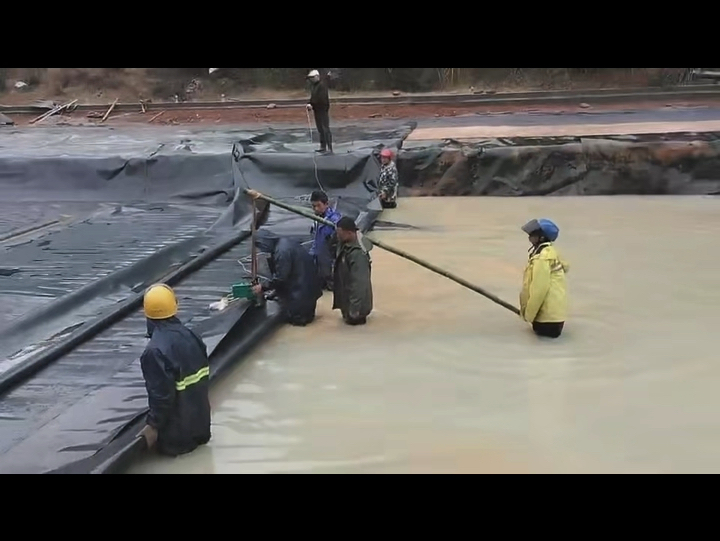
x: 313, y: 74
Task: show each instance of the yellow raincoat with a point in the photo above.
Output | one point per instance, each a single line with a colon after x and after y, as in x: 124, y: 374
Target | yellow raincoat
x: 544, y: 295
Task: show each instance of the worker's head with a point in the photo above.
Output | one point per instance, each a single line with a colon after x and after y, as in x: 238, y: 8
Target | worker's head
x: 386, y: 156
x: 266, y: 241
x: 314, y: 76
x: 160, y: 303
x: 320, y: 203
x: 347, y: 230
x: 541, y: 231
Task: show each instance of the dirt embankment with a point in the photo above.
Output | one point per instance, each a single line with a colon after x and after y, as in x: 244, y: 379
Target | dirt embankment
x: 103, y: 85
x: 340, y: 113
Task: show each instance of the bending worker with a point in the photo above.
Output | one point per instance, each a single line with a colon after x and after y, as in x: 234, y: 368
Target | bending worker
x: 294, y: 278
x: 543, y: 302
x: 177, y: 373
x: 323, y: 248
x: 353, y: 275
x: 320, y: 106
x: 389, y: 182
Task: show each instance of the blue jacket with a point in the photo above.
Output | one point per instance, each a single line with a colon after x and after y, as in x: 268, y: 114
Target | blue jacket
x: 323, y: 233
x: 177, y: 373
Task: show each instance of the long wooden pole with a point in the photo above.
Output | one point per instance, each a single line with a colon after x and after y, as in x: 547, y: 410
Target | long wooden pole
x: 395, y: 251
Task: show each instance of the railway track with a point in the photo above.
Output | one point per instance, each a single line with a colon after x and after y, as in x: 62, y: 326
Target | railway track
x: 529, y: 98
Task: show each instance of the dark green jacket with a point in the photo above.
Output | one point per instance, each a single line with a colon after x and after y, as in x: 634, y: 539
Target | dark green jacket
x: 353, y: 280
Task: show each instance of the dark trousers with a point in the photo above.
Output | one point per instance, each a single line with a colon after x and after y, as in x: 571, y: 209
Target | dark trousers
x: 322, y: 121
x: 355, y: 322
x: 549, y: 330
x: 325, y: 271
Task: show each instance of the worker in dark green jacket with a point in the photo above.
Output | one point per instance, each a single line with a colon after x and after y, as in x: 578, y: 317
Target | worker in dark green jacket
x: 353, y: 275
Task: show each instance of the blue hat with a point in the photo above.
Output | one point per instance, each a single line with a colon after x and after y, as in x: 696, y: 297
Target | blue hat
x: 548, y: 229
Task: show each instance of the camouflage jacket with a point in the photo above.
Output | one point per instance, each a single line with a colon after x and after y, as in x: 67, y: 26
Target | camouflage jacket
x: 389, y: 182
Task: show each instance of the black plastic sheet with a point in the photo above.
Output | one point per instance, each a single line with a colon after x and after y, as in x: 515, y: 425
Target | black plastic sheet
x: 677, y: 164
x: 69, y: 416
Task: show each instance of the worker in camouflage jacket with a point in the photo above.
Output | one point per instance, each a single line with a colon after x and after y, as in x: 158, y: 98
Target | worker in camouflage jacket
x: 389, y: 181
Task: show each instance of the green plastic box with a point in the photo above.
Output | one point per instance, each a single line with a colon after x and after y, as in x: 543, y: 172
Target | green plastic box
x: 243, y: 292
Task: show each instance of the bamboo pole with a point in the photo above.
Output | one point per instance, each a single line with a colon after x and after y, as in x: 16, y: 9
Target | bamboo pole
x: 254, y: 246
x: 428, y: 266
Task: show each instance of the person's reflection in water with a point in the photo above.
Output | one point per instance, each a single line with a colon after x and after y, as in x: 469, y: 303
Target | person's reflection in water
x: 294, y: 278
x: 543, y: 301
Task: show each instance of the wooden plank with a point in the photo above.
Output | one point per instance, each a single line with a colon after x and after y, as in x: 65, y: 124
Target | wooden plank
x: 460, y: 133
x: 153, y: 119
x: 54, y: 112
x: 109, y: 111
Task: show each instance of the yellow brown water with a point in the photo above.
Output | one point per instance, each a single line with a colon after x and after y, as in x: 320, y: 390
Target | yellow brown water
x: 443, y: 381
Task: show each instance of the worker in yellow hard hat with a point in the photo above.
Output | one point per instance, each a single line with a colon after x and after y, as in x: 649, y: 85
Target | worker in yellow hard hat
x: 543, y: 301
x: 177, y: 371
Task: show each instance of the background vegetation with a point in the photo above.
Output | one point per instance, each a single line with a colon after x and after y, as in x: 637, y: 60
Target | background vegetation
x: 170, y: 81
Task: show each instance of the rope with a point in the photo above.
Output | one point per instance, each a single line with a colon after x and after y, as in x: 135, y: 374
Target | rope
x: 301, y: 198
x: 317, y: 169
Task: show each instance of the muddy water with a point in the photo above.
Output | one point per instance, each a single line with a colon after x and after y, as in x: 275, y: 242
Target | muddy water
x: 443, y: 381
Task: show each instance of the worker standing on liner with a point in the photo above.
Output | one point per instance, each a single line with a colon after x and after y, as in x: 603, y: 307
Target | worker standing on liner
x: 353, y: 275
x: 320, y: 106
x: 177, y: 372
x: 389, y: 181
x: 294, y: 278
x: 543, y: 301
x: 323, y: 247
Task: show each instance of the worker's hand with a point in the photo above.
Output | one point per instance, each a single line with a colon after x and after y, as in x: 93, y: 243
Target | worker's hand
x: 272, y: 296
x: 255, y: 195
x: 258, y: 290
x: 151, y: 437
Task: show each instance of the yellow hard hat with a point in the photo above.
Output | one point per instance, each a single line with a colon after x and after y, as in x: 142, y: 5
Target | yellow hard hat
x: 160, y: 302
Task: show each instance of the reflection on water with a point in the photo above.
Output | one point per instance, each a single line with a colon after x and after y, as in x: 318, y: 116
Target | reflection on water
x: 443, y: 381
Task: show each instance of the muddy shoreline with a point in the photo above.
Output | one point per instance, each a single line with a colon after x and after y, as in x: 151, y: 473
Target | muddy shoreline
x: 347, y: 113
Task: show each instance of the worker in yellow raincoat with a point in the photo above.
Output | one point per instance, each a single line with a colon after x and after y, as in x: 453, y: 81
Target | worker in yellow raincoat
x: 543, y: 301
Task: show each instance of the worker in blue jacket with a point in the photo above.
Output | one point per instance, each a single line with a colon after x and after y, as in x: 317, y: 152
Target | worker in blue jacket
x: 177, y: 372
x: 324, y: 239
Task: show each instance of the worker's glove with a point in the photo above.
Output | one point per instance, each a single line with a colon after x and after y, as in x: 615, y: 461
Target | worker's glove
x: 309, y: 107
x: 271, y: 296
